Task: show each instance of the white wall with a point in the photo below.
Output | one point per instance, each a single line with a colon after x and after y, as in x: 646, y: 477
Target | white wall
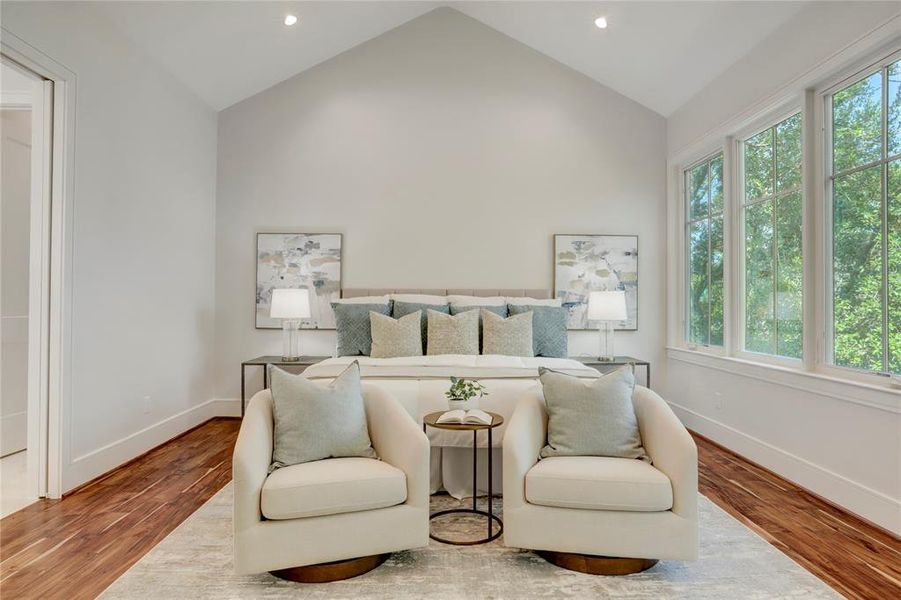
x: 841, y: 442
x: 143, y: 263
x: 15, y: 197
x: 448, y: 155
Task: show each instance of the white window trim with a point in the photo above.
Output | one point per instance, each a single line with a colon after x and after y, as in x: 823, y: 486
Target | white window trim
x: 683, y: 263
x: 809, y: 96
x: 766, y: 121
x: 823, y: 196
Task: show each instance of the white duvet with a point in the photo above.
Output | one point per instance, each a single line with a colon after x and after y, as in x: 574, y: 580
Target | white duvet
x: 419, y: 383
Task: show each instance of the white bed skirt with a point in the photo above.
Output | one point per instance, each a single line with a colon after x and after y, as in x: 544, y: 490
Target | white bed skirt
x: 452, y: 471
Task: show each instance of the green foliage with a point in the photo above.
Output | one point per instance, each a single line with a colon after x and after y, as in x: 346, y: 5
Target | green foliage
x: 773, y: 252
x: 862, y: 256
x: 463, y: 389
x: 704, y: 232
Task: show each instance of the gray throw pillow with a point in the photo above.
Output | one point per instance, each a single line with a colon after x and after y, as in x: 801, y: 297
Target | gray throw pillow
x: 314, y: 422
x: 395, y: 337
x: 457, y: 334
x: 511, y: 336
x: 549, y: 337
x: 353, y: 329
x: 402, y: 309
x: 591, y: 417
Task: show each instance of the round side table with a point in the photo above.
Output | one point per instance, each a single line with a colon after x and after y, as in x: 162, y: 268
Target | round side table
x: 431, y: 420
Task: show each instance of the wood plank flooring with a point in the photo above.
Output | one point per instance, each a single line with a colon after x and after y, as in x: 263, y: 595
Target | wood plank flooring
x: 76, y: 547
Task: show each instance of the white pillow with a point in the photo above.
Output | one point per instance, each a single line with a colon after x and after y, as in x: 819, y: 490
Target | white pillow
x: 477, y: 300
x: 534, y: 302
x: 420, y: 299
x: 364, y: 300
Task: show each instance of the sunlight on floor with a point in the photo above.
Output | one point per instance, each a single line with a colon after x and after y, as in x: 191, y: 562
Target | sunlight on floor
x: 13, y: 484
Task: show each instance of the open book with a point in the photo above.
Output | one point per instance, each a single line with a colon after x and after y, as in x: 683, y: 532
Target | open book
x: 474, y: 417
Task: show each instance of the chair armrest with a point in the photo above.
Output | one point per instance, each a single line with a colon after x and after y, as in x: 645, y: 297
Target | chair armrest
x: 251, y: 459
x: 671, y: 448
x: 524, y: 438
x: 398, y: 441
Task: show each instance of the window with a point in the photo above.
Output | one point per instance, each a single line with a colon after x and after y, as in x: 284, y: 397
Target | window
x: 773, y: 265
x: 866, y: 222
x: 704, y: 252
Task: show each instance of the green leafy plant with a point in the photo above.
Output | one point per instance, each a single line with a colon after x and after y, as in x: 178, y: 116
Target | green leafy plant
x: 462, y: 389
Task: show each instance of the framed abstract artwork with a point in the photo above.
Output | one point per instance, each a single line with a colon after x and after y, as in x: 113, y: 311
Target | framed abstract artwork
x: 299, y: 260
x: 587, y: 263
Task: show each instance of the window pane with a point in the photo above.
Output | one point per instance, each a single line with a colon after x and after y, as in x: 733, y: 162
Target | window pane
x: 759, y: 334
x: 894, y: 109
x: 759, y: 165
x: 698, y: 328
x: 789, y: 276
x: 716, y: 184
x: 788, y: 154
x: 857, y: 124
x: 716, y: 280
x: 697, y: 192
x: 857, y: 269
x: 894, y: 266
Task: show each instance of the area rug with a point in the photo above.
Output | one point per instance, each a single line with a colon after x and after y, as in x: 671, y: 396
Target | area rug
x: 195, y: 561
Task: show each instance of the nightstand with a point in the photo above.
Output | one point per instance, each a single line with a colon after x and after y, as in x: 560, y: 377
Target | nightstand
x: 264, y: 361
x: 618, y: 361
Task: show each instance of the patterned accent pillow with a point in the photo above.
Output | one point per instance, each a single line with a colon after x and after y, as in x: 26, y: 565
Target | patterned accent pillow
x: 457, y: 334
x: 313, y: 421
x: 403, y: 308
x: 511, y: 336
x: 396, y: 337
x: 549, y: 337
x: 353, y: 329
x: 591, y: 417
x: 500, y: 310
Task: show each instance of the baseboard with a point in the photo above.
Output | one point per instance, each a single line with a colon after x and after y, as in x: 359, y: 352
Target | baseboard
x: 869, y: 504
x: 227, y: 407
x: 13, y: 432
x: 97, y: 462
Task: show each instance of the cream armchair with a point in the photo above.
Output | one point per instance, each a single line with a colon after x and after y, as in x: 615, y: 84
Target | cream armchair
x: 347, y: 512
x: 598, y: 514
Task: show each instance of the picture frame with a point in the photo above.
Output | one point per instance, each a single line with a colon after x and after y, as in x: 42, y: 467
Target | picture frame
x: 298, y: 260
x: 584, y: 263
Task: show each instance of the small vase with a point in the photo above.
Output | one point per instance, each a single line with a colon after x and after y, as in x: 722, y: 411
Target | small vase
x: 460, y: 404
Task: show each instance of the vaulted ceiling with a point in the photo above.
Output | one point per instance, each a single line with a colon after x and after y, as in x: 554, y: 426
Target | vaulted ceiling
x: 658, y: 53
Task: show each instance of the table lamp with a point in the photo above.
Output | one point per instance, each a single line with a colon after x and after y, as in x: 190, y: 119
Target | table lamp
x: 290, y: 305
x: 605, y: 308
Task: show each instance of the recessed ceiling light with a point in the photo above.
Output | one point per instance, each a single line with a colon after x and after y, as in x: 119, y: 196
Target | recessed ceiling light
x: 290, y: 20
x: 601, y: 22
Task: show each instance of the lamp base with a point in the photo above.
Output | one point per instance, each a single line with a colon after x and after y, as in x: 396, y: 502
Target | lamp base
x: 290, y: 359
x: 606, y: 359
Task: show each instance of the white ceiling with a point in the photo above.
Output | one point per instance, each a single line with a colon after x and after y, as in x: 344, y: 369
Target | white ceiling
x: 658, y: 53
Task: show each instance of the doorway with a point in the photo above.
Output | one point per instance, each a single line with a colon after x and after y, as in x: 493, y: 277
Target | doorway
x: 25, y: 153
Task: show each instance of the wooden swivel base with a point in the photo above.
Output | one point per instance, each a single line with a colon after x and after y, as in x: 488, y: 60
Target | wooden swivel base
x: 597, y: 565
x: 332, y: 571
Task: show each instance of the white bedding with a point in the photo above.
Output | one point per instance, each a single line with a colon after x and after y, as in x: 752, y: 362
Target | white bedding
x: 419, y: 383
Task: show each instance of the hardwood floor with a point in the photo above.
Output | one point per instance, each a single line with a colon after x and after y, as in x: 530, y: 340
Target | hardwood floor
x: 76, y: 547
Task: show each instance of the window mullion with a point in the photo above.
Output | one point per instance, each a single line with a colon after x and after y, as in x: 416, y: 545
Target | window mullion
x: 709, y: 256
x: 775, y: 266
x: 885, y: 217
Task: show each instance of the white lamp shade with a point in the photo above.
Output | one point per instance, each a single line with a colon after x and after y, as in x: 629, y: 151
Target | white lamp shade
x: 607, y: 306
x: 290, y: 304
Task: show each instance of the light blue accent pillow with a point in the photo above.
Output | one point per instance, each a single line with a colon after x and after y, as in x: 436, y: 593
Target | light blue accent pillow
x: 549, y: 336
x: 402, y: 309
x: 313, y: 421
x: 353, y: 328
x: 591, y: 417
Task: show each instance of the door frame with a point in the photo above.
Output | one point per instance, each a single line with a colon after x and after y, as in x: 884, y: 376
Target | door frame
x: 50, y: 354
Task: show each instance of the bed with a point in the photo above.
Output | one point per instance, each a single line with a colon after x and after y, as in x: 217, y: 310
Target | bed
x: 419, y: 383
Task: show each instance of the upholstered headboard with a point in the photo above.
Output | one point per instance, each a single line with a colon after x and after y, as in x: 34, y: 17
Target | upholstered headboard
x: 518, y: 293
